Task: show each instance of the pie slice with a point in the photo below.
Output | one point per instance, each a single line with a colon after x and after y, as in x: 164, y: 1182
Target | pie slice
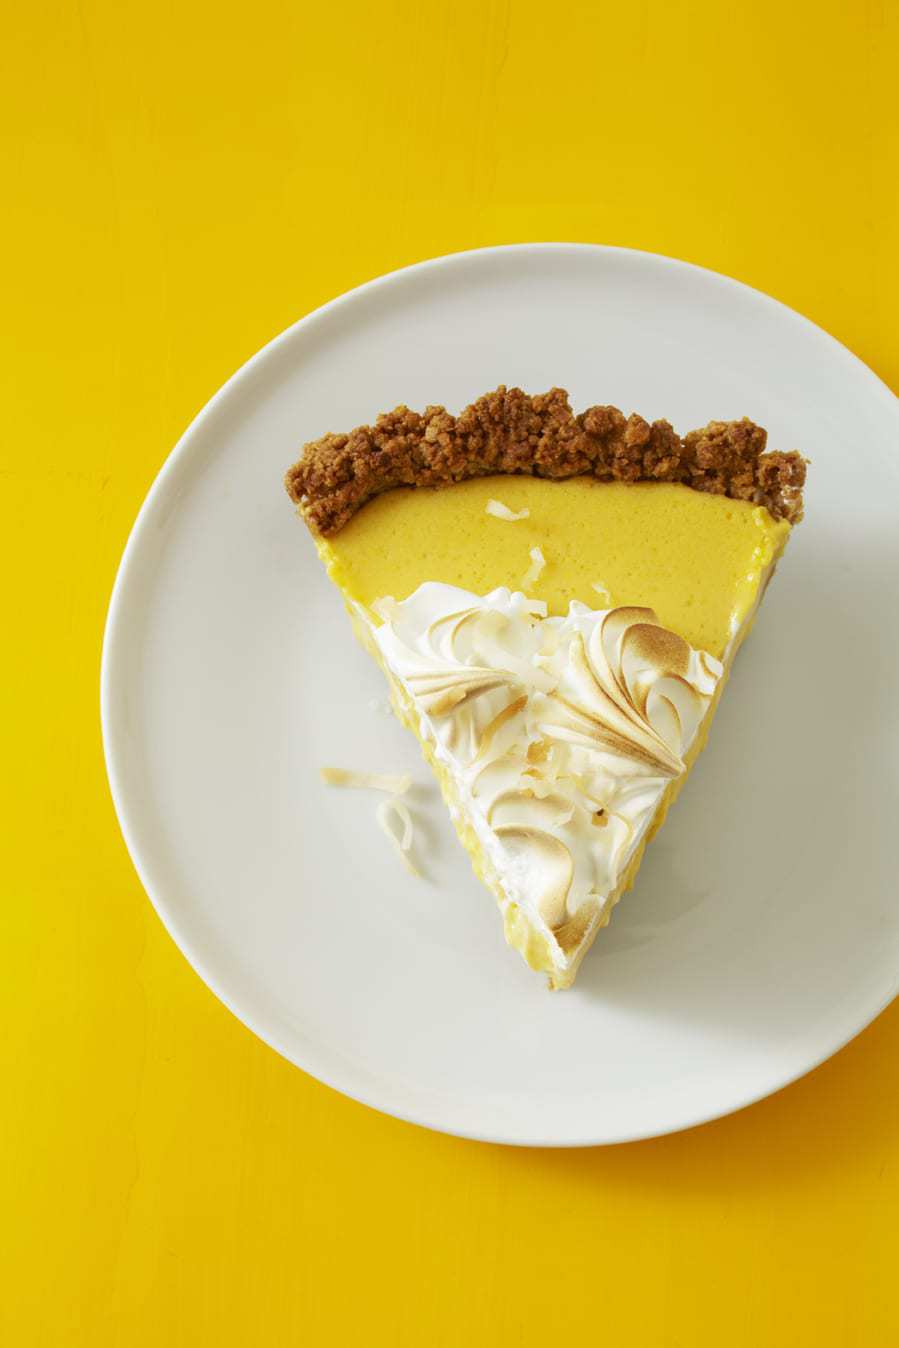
x: 556, y: 601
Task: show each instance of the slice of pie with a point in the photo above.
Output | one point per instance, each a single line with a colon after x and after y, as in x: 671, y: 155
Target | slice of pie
x: 556, y: 601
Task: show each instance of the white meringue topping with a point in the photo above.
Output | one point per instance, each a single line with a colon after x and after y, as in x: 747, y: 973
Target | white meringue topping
x: 560, y: 734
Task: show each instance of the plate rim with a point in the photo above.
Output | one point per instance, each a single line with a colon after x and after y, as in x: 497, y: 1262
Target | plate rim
x: 114, y: 751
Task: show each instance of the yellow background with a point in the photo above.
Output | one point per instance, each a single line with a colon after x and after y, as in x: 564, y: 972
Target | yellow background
x: 180, y: 182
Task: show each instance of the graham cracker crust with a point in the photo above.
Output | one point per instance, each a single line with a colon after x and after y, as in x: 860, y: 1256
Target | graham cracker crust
x: 508, y: 431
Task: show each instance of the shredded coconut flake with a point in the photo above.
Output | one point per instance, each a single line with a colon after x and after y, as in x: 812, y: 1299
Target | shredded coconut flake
x: 538, y: 562
x: 397, y: 784
x: 603, y: 594
x: 502, y: 512
x: 386, y: 812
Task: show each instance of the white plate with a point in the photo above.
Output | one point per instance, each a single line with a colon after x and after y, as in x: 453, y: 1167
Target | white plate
x: 764, y: 929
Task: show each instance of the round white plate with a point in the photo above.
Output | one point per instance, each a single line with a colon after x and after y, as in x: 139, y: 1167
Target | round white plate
x: 764, y: 929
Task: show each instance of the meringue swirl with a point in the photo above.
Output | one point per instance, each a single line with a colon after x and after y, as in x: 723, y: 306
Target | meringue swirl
x: 561, y: 734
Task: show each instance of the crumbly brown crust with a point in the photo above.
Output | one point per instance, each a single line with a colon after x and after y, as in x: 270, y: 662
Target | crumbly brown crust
x: 510, y: 432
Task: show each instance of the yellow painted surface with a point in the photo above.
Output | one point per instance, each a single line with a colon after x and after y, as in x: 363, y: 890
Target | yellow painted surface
x: 696, y: 559
x: 180, y: 182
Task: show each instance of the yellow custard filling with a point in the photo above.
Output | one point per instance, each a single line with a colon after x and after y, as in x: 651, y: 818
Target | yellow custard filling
x: 698, y: 560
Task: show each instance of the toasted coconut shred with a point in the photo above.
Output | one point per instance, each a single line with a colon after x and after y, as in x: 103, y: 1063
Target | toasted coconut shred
x: 387, y: 812
x: 396, y: 784
x: 534, y: 571
x: 502, y: 512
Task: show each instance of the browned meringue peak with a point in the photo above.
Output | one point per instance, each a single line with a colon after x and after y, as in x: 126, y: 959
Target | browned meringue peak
x: 596, y: 710
x: 525, y: 807
x: 628, y: 691
x: 441, y: 692
x: 547, y: 869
